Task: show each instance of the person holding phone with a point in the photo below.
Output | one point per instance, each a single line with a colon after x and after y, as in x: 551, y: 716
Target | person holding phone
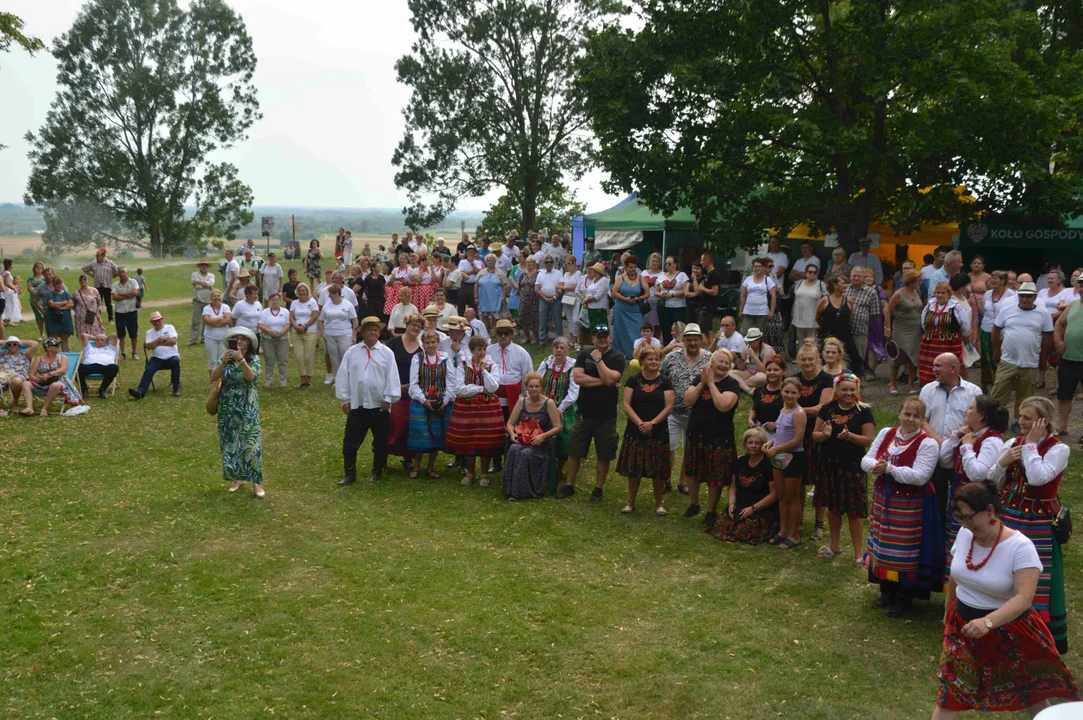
x: 239, y: 432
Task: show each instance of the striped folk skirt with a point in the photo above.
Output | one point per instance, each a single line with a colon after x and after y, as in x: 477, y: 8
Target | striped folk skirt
x: 476, y: 427
x: 930, y: 348
x: 399, y: 428
x: 427, y: 429
x: 1033, y: 519
x: 1012, y: 668
x: 905, y: 537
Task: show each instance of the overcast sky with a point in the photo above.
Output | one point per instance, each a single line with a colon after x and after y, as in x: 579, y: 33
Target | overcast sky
x: 326, y: 81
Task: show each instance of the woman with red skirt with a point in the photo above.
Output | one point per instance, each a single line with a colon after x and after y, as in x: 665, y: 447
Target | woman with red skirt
x: 945, y: 323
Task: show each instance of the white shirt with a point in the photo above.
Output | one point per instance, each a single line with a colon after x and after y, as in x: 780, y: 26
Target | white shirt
x: 125, y: 306
x: 202, y: 294
x: 735, y: 343
x: 94, y: 355
x: 597, y: 292
x: 303, y: 312
x: 347, y: 250
x: 216, y: 333
x: 488, y: 379
x: 976, y: 465
x: 1050, y: 302
x: 568, y: 368
x: 504, y: 262
x: 445, y: 312
x: 868, y: 261
x: 639, y: 341
x: 477, y: 327
x: 445, y: 347
x: 782, y: 261
x: 232, y: 268
x: 962, y: 312
x: 246, y: 314
x: 338, y: 319
x: 547, y: 282
x: 917, y: 474
x: 992, y: 309
x: 1021, y: 334
x: 510, y: 365
x: 511, y: 251
x: 802, y: 264
x: 945, y: 410
x: 454, y: 279
x: 1039, y: 471
x: 399, y: 313
x: 417, y: 392
x: 277, y: 321
x: 758, y: 300
x: 368, y: 377
x: 272, y: 279
x: 417, y: 245
x: 993, y: 585
x: 679, y: 281
x: 571, y: 281
x: 347, y: 294
x: 163, y: 352
x: 464, y: 268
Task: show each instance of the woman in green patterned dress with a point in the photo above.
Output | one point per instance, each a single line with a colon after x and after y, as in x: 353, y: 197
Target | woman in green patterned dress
x: 238, y: 410
x: 558, y: 384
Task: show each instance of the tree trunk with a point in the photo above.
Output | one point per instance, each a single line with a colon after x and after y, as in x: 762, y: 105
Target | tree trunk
x: 155, y: 241
x: 529, y: 203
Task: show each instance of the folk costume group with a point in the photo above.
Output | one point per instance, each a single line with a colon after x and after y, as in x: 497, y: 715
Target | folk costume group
x: 990, y: 545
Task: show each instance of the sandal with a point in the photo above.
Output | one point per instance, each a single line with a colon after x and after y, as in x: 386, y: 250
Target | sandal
x: 26, y: 412
x: 434, y: 475
x: 827, y: 553
x: 817, y: 532
x: 787, y: 544
x: 1039, y: 385
x: 893, y: 391
x: 776, y: 539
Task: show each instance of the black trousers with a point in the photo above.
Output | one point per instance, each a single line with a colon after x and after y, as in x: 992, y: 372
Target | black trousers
x: 942, y: 478
x: 358, y: 424
x: 107, y: 300
x: 108, y: 373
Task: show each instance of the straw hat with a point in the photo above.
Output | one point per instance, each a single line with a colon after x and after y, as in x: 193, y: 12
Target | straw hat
x: 253, y: 339
x: 372, y: 320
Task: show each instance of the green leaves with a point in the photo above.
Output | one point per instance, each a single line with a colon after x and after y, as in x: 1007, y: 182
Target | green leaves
x: 771, y: 114
x: 148, y: 91
x: 493, y: 102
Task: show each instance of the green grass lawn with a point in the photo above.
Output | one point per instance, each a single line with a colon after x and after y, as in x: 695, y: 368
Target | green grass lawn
x: 133, y: 585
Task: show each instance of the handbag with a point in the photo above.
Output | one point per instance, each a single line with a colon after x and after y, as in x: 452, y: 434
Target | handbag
x: 569, y: 299
x: 90, y: 317
x: 782, y: 460
x: 1062, y: 525
x: 212, y: 398
x: 527, y: 430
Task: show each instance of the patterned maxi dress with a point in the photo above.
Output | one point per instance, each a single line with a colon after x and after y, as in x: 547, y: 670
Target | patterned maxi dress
x: 528, y: 303
x: 32, y: 284
x: 91, y: 302
x: 238, y: 424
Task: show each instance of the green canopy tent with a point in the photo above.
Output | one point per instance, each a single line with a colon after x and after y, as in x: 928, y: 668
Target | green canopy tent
x: 631, y: 224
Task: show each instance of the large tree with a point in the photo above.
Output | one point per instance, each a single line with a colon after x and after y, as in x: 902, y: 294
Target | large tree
x: 493, y: 102
x: 554, y: 213
x: 771, y: 113
x: 11, y: 33
x: 148, y: 90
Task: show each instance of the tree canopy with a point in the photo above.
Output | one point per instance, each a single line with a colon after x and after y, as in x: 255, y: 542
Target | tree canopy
x: 493, y: 103
x: 148, y: 91
x: 773, y: 113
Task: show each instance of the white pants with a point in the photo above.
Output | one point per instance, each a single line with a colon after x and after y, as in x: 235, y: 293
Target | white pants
x: 571, y: 316
x: 276, y: 353
x: 336, y: 346
x: 215, y: 350
x: 678, y: 428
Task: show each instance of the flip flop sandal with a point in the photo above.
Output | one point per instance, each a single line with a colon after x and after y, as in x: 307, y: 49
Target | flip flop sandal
x: 786, y: 544
x: 776, y: 539
x: 827, y: 553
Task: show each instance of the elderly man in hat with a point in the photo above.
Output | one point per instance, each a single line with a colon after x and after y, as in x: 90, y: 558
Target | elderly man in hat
x: 453, y: 344
x: 865, y: 259
x: 683, y: 369
x: 511, y: 363
x: 202, y: 284
x: 161, y: 342
x: 367, y: 385
x: 597, y: 372
x: 103, y: 270
x: 1021, y: 332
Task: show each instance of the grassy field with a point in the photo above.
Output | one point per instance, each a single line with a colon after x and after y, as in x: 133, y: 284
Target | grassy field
x: 133, y: 585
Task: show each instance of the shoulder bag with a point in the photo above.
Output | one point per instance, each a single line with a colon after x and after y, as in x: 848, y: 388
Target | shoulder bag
x: 212, y: 398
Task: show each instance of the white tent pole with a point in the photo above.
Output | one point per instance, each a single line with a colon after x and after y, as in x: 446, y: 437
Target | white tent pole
x: 663, y: 247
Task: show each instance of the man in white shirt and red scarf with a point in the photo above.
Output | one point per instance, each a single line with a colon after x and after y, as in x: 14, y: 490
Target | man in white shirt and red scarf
x: 511, y: 363
x: 367, y: 385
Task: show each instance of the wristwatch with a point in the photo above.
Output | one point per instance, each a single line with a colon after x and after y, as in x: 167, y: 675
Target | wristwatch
x: 988, y: 623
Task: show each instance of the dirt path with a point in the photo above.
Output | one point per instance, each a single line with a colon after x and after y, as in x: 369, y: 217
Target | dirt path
x: 165, y: 302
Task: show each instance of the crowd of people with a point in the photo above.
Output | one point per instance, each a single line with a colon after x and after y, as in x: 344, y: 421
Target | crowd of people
x: 426, y: 348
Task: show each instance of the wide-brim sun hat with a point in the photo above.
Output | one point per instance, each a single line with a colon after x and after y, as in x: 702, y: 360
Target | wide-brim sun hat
x: 753, y: 334
x: 253, y: 339
x: 12, y: 339
x: 456, y: 322
x: 373, y: 320
x: 598, y: 268
x: 692, y: 329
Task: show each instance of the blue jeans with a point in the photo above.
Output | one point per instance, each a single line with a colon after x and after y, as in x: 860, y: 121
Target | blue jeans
x: 154, y: 365
x: 548, y: 312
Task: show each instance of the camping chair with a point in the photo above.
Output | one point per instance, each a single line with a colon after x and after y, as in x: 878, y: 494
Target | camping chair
x: 100, y: 378
x: 146, y: 357
x: 73, y: 368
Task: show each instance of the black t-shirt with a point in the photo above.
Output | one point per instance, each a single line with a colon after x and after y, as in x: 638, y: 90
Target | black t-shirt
x: 753, y: 483
x: 707, y: 421
x: 810, y: 397
x: 599, y: 403
x: 400, y: 249
x: 767, y: 404
x: 289, y: 290
x: 403, y: 358
x: 374, y: 288
x: 712, y: 279
x: 843, y: 451
x: 648, y: 401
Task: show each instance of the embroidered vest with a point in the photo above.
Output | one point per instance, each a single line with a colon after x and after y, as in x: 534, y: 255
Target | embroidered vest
x: 472, y: 378
x: 432, y: 382
x: 555, y: 385
x: 907, y: 456
x: 1020, y: 494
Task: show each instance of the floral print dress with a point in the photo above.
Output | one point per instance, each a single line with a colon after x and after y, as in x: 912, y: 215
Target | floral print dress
x: 88, y: 301
x: 238, y: 424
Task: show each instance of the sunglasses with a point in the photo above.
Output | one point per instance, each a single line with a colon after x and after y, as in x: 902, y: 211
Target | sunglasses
x: 502, y: 333
x: 964, y: 518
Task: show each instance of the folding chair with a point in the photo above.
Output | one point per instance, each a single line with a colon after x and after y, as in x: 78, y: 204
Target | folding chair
x: 100, y: 378
x: 145, y: 359
x: 72, y: 375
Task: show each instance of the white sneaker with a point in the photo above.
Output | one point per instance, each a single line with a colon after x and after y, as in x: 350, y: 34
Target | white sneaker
x: 660, y: 512
x: 627, y: 509
x: 328, y: 379
x: 467, y: 479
